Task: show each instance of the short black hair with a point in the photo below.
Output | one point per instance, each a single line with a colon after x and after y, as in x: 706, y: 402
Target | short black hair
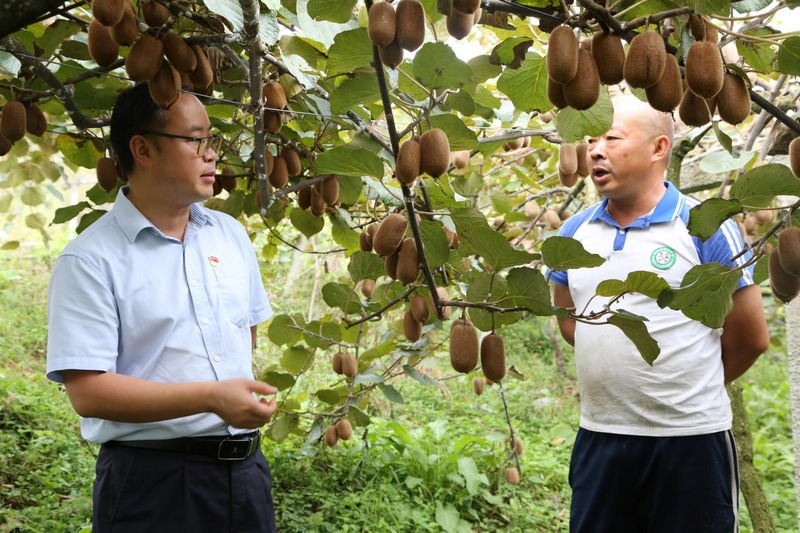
x: 134, y: 112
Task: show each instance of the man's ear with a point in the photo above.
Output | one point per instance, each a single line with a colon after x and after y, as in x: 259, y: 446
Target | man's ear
x: 140, y: 149
x: 662, y: 147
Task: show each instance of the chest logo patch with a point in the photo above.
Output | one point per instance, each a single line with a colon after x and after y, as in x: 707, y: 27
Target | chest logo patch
x: 213, y: 260
x: 663, y: 257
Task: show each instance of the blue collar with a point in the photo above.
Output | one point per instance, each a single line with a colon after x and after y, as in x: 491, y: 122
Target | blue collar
x: 132, y: 222
x: 667, y: 210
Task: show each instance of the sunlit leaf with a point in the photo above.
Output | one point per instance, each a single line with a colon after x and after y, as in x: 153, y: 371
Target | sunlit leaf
x: 343, y: 160
x: 351, y: 50
x: 566, y: 253
x: 341, y: 296
x: 526, y: 86
x: 363, y: 89
x: 283, y: 329
x: 365, y: 265
x: 279, y: 380
x: 297, y: 359
x: 306, y: 222
x: 437, y: 67
x: 331, y: 10
x: 759, y: 186
x: 788, y: 59
x: 647, y: 283
x: 574, y: 125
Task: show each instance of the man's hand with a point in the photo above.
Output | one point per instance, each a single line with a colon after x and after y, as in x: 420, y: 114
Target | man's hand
x: 241, y: 402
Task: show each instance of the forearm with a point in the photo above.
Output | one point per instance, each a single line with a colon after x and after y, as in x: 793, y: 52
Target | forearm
x: 745, y: 335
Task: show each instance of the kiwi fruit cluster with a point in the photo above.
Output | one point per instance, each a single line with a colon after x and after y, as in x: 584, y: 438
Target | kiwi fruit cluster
x: 464, y: 14
x: 573, y: 76
x: 18, y: 118
x: 394, y: 30
x: 339, y: 430
x: 345, y: 363
x: 427, y: 153
x: 317, y: 197
x: 784, y: 262
x: 275, y: 101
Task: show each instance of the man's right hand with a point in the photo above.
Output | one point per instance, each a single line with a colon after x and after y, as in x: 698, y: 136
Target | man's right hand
x: 241, y: 402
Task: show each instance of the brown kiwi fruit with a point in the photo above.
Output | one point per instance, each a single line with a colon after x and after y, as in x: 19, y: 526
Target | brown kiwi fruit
x: 272, y: 121
x: 517, y: 445
x: 13, y: 121
x: 463, y: 346
x: 645, y: 61
x: 336, y: 362
x: 582, y: 91
x: 693, y: 110
x: 5, y: 145
x: 126, y: 31
x: 419, y: 308
x: 269, y: 161
x: 381, y: 24
x: 555, y: 93
x: 493, y: 357
x: 478, y: 385
x: 227, y: 179
x: 410, y: 24
x: 794, y: 156
x: 408, y: 261
x: 567, y: 180
x: 35, y: 121
x: 154, y: 13
x: 106, y: 173
x: 275, y: 95
x: 179, y: 53
x: 562, y: 55
x: 667, y: 93
x: 331, y: 437
x: 466, y: 6
x: 145, y: 58
x: 532, y: 209
x: 349, y: 365
x: 304, y: 198
x: 789, y: 249
x: 513, y: 144
x: 551, y: 219
x: 367, y: 287
x: 329, y: 188
x: 764, y: 216
x: 412, y: 328
x: 279, y: 176
x: 102, y: 47
x: 460, y: 158
x: 407, y: 166
x: 568, y: 158
x: 390, y: 263
x: 443, y: 297
x: 609, y: 55
x: 292, y: 158
x: 784, y: 286
x: 165, y: 86
x: 511, y: 475
x: 392, y: 54
x: 108, y: 12
x: 318, y: 205
x: 733, y: 100
x: 582, y: 153
x: 434, y: 152
x: 365, y: 242
x: 203, y: 75
x: 704, y: 69
x: 459, y: 24
x: 389, y: 234
x: 701, y: 29
x: 344, y: 429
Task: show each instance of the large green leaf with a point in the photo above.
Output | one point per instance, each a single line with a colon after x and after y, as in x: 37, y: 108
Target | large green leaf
x: 437, y: 67
x: 341, y: 296
x: 491, y: 246
x: 706, y: 218
x: 283, y: 329
x: 527, y: 85
x: 788, y: 59
x: 331, y: 10
x: 722, y: 161
x: 79, y: 151
x: 279, y: 380
x: 527, y: 288
x: 492, y: 289
x: 647, y: 283
x: 365, y: 265
x: 306, y: 222
x: 711, y: 7
x: 351, y: 50
x: 321, y: 334
x: 574, y: 125
x: 348, y: 161
x: 297, y: 359
x: 458, y: 134
x: 636, y: 331
x: 511, y: 51
x: 759, y: 186
x: 434, y: 241
x: 565, y: 253
x: 757, y: 54
x: 361, y: 90
x: 705, y: 294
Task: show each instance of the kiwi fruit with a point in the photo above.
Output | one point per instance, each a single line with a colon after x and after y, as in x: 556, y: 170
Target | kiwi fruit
x: 460, y: 158
x: 412, y: 328
x: 704, y: 69
x: 390, y: 263
x: 511, y: 475
x: 555, y: 93
x: 443, y: 297
x: 292, y: 158
x: 165, y: 86
x: 272, y: 121
x: 407, y: 166
x: 344, y: 429
x: 582, y: 154
x: 364, y: 242
x: 179, y: 53
x: 392, y: 54
x: 329, y: 189
x: 318, y: 204
x: 154, y: 13
x: 789, y: 249
x: 275, y: 95
x: 459, y: 24
x: 667, y: 93
x: 410, y: 24
x: 764, y: 216
x: 733, y: 100
x: 784, y: 286
x: 108, y: 12
x: 609, y: 56
x: 466, y: 6
x: 517, y: 445
x: 304, y: 198
x: 701, y: 29
x: 13, y: 121
x: 582, y: 91
x: 331, y: 436
x: 35, y: 121
x: 367, y: 287
x: 567, y: 180
x: 645, y: 61
x: 532, y: 209
x: 434, y: 152
x: 568, y: 158
x: 227, y: 179
x: 5, y: 145
x: 419, y: 308
x: 794, y: 156
x: 102, y: 47
x: 551, y: 219
x: 381, y: 24
x: 336, y: 362
x: 389, y: 234
x: 408, y: 261
x: 478, y: 385
x: 562, y: 55
x: 145, y: 58
x: 463, y: 346
x: 513, y: 144
x: 493, y: 357
x: 126, y: 31
x: 695, y: 111
x: 203, y: 75
x: 349, y: 364
x: 106, y: 173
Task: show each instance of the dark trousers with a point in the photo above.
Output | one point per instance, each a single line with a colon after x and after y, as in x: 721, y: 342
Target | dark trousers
x: 633, y: 484
x: 140, y: 490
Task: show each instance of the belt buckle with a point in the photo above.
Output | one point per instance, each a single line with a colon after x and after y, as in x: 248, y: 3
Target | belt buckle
x: 234, y: 449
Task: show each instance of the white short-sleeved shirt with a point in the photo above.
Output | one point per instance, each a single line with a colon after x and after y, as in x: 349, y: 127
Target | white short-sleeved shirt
x: 683, y: 393
x: 126, y: 298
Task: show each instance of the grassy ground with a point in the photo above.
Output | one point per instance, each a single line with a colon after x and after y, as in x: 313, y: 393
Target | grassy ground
x: 432, y: 463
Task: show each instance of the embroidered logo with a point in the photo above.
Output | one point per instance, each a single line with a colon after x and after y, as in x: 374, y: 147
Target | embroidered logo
x: 663, y: 257
x: 213, y: 261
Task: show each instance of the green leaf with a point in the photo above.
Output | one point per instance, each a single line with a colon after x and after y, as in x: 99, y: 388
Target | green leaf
x: 9, y: 64
x: 705, y: 294
x: 788, y: 59
x: 711, y: 7
x: 36, y: 221
x: 10, y: 245
x: 233, y: 204
x: 32, y: 195
x: 512, y: 51
x: 437, y: 67
x: 527, y: 85
x: 392, y: 394
x: 279, y: 380
x: 574, y: 125
x: 87, y: 219
x: 353, y: 92
x: 80, y: 152
x: 331, y: 10
x: 321, y: 334
x: 306, y: 222
x: 472, y: 476
x: 423, y: 379
x: 282, y: 427
x: 759, y: 186
x: 384, y: 348
x: 458, y: 134
x: 434, y: 241
x: 637, y: 333
x: 347, y: 161
x: 720, y: 161
x: 746, y: 6
x: 527, y: 288
x: 475, y: 231
x: 365, y: 265
x: 647, y: 283
x: 283, y: 329
x: 490, y: 288
x: 706, y: 218
x: 297, y: 359
x: 231, y: 11
x: 332, y: 396
x: 341, y: 296
x: 350, y: 189
x: 757, y: 54
x: 351, y: 50
x: 566, y: 253
x: 341, y: 230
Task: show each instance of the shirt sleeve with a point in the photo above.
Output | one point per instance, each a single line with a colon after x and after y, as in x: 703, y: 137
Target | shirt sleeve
x: 725, y: 244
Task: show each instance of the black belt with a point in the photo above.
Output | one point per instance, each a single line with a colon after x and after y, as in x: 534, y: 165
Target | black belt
x: 228, y: 448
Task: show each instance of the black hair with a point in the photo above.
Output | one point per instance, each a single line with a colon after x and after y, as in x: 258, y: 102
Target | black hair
x: 134, y: 112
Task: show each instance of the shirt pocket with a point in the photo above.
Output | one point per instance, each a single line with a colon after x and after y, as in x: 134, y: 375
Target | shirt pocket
x: 234, y: 294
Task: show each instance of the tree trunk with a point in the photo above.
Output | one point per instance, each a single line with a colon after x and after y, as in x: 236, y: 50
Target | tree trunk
x: 793, y: 354
x: 752, y: 490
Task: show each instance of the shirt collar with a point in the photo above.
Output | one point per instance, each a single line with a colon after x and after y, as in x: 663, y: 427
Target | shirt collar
x: 132, y: 222
x: 667, y: 210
